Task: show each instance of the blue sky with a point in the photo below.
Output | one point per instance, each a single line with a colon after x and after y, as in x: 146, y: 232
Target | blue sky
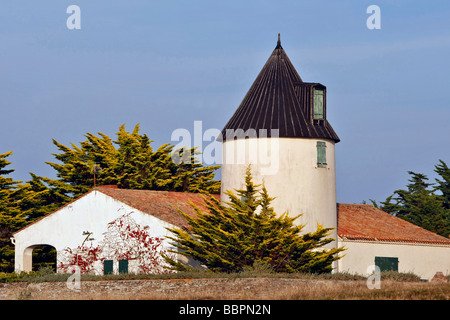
x: 165, y: 64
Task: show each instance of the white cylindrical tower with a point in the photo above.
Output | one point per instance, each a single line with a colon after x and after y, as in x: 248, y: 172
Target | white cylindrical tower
x: 289, y: 170
x: 281, y: 129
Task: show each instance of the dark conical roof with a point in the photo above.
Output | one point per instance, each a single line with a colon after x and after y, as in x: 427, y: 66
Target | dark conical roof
x: 278, y: 99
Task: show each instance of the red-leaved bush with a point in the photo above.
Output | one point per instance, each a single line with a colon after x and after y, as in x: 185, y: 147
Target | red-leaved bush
x: 123, y: 240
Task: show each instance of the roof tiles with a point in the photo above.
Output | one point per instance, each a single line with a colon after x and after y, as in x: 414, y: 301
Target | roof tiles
x: 160, y: 204
x: 365, y: 222
x: 355, y: 221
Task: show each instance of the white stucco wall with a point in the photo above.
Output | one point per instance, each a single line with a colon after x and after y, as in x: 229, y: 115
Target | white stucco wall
x: 423, y: 260
x: 64, y: 228
x: 288, y: 168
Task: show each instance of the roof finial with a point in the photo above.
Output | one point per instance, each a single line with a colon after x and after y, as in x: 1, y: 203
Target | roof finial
x: 279, y: 42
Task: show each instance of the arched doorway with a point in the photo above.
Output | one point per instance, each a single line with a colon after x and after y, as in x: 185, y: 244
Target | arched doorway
x: 39, y: 256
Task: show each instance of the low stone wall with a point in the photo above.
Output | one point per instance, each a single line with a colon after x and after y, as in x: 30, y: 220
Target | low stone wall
x: 252, y: 288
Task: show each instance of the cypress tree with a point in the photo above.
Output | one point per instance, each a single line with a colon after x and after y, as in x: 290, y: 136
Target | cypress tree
x: 40, y: 196
x: 245, y: 231
x: 11, y: 219
x: 420, y: 205
x: 443, y: 185
x: 130, y: 162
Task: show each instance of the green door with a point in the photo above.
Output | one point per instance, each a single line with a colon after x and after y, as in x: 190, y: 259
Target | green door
x: 123, y: 266
x: 108, y: 267
x: 387, y: 263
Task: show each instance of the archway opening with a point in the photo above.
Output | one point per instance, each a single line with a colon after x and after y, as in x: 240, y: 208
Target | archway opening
x: 43, y: 256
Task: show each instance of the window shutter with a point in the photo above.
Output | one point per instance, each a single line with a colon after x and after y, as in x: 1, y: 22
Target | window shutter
x: 321, y: 154
x: 123, y: 266
x: 108, y: 267
x: 318, y: 104
x: 387, y: 263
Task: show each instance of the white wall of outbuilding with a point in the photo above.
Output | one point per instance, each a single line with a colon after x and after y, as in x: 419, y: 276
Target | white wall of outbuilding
x: 64, y: 228
x: 421, y: 259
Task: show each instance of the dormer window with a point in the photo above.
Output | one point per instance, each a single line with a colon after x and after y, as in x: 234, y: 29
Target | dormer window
x: 318, y: 104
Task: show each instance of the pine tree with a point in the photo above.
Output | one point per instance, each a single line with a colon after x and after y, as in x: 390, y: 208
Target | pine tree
x: 246, y: 231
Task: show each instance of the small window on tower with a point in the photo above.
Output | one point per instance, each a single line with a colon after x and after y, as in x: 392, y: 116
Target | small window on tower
x: 318, y: 103
x: 321, y: 154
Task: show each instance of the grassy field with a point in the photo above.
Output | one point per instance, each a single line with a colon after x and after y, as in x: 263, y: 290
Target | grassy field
x: 236, y: 289
x: 357, y: 290
x: 48, y: 275
x: 249, y: 285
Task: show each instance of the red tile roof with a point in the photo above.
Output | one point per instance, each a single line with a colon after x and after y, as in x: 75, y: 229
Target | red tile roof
x: 160, y: 204
x: 365, y: 222
x: 355, y: 221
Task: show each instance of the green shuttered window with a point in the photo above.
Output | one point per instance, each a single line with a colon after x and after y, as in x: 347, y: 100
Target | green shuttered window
x: 107, y: 267
x: 321, y: 154
x: 318, y: 104
x: 387, y: 263
x: 123, y: 266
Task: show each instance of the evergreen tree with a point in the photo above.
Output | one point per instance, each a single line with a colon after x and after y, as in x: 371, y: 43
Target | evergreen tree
x: 132, y: 165
x: 443, y: 185
x: 246, y: 231
x: 129, y: 162
x: 419, y: 205
x: 40, y: 196
x: 11, y: 219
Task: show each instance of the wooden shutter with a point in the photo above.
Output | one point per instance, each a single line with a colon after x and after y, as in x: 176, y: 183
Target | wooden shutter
x: 123, y: 266
x: 318, y: 104
x: 387, y: 263
x: 321, y: 154
x: 108, y: 267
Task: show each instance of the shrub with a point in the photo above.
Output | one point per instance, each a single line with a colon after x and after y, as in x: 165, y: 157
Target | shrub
x: 245, y: 231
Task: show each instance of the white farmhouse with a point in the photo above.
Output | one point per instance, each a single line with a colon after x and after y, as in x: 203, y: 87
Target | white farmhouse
x: 281, y: 129
x: 110, y: 229
x: 371, y: 236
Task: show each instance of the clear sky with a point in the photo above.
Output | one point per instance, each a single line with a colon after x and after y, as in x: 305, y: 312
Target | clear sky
x: 165, y: 64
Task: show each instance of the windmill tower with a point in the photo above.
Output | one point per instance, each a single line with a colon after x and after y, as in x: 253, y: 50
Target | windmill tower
x: 281, y: 128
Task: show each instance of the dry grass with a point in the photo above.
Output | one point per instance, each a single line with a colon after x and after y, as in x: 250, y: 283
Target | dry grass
x: 249, y: 285
x: 248, y: 289
x: 331, y: 290
x: 357, y: 290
